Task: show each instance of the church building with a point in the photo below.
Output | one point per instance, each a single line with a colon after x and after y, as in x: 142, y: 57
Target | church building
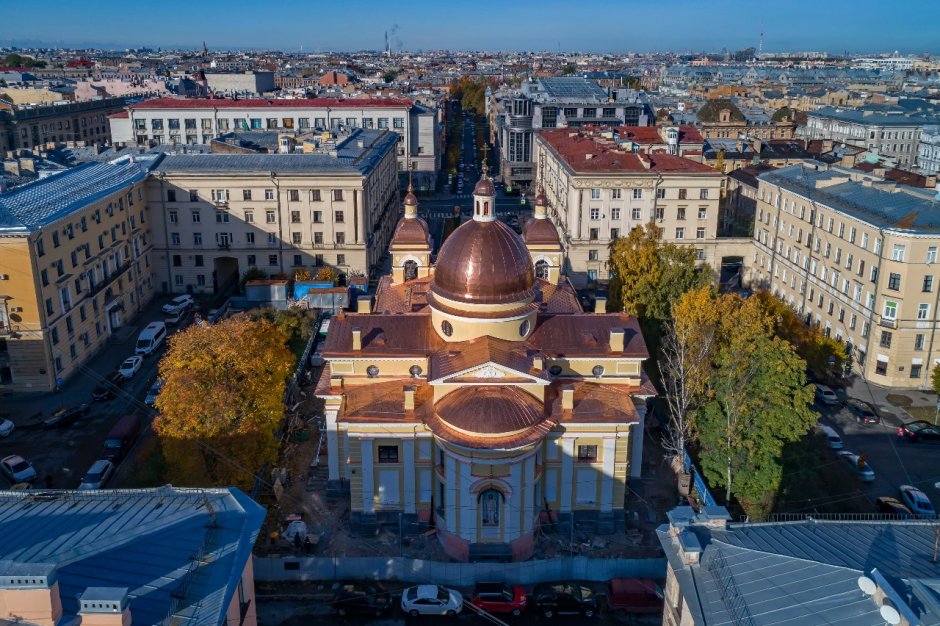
x: 474, y: 395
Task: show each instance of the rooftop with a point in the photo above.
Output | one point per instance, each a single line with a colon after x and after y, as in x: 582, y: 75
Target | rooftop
x: 147, y: 540
x: 876, y: 116
x: 572, y: 88
x: 268, y: 103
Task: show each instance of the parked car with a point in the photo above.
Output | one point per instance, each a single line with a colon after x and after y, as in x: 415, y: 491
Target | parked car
x: 176, y: 318
x: 66, y: 416
x: 130, y: 366
x: 499, y: 598
x: 179, y: 303
x: 858, y: 465
x: 120, y: 438
x: 634, y: 595
x: 431, y: 600
x: 153, y: 392
x: 17, y: 469
x: 919, y: 431
x: 864, y: 412
x: 6, y: 427
x: 106, y: 389
x: 833, y: 440
x: 564, y: 598
x: 361, y: 599
x: 316, y: 357
x: 917, y: 501
x: 825, y: 395
x: 98, y: 475
x: 892, y: 506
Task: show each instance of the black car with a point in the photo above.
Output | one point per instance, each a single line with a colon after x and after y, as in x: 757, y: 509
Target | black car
x: 564, y: 598
x: 107, y: 387
x: 864, y: 412
x: 892, y: 506
x: 64, y: 417
x: 919, y: 431
x: 361, y: 599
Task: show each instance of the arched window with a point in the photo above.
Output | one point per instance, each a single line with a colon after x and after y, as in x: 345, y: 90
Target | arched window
x: 489, y: 507
x: 541, y: 269
x: 411, y: 270
x: 486, y: 208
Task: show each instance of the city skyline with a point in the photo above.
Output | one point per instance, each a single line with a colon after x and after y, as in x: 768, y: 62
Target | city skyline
x: 677, y: 25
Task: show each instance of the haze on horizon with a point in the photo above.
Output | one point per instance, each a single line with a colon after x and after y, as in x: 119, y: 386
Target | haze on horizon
x: 836, y: 26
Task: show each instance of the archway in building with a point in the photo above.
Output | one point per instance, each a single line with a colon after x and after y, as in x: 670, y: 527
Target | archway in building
x: 224, y: 274
x: 411, y: 270
x: 490, y: 503
x: 731, y: 273
x: 541, y: 269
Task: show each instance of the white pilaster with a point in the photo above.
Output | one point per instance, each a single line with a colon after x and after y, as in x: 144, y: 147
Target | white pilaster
x: 567, y: 473
x: 332, y: 445
x: 450, y: 490
x: 607, y: 474
x: 514, y: 504
x: 408, y: 452
x: 528, y: 493
x: 636, y: 443
x: 468, y: 507
x: 368, y: 478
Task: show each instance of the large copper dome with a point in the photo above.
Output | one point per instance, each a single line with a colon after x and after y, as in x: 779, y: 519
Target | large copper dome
x: 483, y: 263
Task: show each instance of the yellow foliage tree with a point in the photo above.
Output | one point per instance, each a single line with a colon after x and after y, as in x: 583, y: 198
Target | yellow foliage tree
x: 222, y: 401
x: 302, y: 274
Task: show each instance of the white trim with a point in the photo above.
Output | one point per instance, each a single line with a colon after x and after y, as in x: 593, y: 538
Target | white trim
x: 484, y: 366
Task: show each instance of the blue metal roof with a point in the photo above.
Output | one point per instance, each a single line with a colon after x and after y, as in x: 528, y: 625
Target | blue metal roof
x: 144, y: 539
x: 38, y: 204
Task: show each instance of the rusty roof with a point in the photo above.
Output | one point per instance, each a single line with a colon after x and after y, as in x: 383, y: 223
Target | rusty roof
x: 384, y: 400
x: 587, y: 334
x: 540, y: 232
x: 593, y: 402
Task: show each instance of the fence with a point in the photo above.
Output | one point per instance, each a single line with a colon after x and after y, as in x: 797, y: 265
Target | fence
x: 698, y: 481
x: 273, y: 569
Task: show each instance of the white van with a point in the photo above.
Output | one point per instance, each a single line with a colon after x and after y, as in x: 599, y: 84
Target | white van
x: 832, y: 437
x: 150, y: 338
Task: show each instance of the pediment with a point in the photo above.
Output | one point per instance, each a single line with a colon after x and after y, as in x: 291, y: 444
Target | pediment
x: 489, y: 373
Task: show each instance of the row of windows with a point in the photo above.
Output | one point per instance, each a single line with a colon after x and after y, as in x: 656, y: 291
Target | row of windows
x: 222, y: 195
x: 270, y: 123
x: 227, y: 239
x: 617, y: 194
x: 270, y: 216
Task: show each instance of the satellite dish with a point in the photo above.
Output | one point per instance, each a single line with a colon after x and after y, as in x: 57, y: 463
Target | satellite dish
x: 890, y: 614
x: 867, y: 585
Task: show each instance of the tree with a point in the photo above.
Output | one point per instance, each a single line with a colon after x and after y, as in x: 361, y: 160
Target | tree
x: 222, y: 401
x: 935, y: 379
x: 720, y: 161
x: 569, y: 70
x: 327, y: 273
x: 389, y: 76
x: 684, y: 364
x: 252, y: 273
x: 302, y: 274
x: 758, y: 401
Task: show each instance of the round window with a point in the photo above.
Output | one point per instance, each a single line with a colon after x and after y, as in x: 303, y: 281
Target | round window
x: 446, y: 328
x: 372, y: 371
x: 415, y: 370
x: 598, y: 371
x: 524, y: 328
x: 554, y: 370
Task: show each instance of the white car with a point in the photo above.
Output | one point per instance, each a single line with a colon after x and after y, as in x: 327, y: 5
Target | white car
x: 858, y: 465
x: 177, y: 304
x: 17, y: 469
x: 917, y: 501
x: 431, y: 600
x: 825, y: 395
x: 6, y: 427
x: 98, y: 474
x: 130, y: 366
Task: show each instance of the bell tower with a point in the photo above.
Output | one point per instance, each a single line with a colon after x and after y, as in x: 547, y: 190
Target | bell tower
x: 541, y: 238
x: 411, y: 244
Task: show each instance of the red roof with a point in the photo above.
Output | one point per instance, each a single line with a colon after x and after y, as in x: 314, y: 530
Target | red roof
x: 585, y: 152
x: 689, y: 133
x: 640, y: 134
x: 265, y: 103
x: 118, y: 115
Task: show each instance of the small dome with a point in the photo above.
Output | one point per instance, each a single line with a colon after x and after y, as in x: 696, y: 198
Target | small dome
x: 540, y: 232
x: 409, y: 233
x: 484, y: 187
x: 410, y: 198
x: 484, y: 263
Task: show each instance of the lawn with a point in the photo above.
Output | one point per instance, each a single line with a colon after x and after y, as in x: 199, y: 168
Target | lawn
x: 928, y: 413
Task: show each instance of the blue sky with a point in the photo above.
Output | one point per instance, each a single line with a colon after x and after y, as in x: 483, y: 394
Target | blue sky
x: 910, y: 26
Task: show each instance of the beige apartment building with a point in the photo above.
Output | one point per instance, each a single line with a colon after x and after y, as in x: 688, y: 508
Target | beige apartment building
x: 856, y: 255
x: 75, y: 265
x: 598, y: 190
x: 217, y: 215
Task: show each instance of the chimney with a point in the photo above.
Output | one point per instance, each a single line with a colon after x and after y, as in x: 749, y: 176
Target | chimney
x: 538, y: 364
x: 336, y: 382
x: 600, y: 305
x: 30, y: 589
x: 357, y: 339
x: 104, y: 606
x: 757, y: 144
x: 409, y: 398
x: 567, y: 398
x: 616, y: 339
x: 364, y: 304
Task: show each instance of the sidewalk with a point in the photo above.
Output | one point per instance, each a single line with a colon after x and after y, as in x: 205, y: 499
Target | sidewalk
x: 892, y: 402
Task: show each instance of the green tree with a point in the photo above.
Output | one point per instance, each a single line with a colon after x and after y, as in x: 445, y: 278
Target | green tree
x: 389, y: 76
x: 222, y: 401
x: 935, y: 379
x: 758, y: 401
x: 569, y: 70
x: 252, y: 273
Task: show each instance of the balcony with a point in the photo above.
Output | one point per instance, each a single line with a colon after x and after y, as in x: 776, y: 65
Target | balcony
x: 520, y: 122
x: 888, y: 323
x: 221, y: 204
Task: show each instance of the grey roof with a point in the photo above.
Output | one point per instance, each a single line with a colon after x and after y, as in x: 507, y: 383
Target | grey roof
x: 147, y: 540
x: 806, y: 572
x: 900, y: 208
x: 876, y: 116
x: 571, y: 88
x: 351, y: 158
x: 37, y: 204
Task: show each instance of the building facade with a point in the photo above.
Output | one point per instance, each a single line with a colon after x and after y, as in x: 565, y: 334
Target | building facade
x: 598, y: 191
x: 928, y: 150
x: 31, y: 126
x: 855, y: 255
x: 192, y: 121
x: 217, y: 215
x: 474, y: 397
x: 76, y: 258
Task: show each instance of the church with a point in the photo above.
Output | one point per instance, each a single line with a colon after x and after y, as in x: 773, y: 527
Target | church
x: 473, y: 395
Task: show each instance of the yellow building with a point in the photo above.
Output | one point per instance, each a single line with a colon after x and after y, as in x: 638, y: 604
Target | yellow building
x: 475, y: 397
x: 75, y: 265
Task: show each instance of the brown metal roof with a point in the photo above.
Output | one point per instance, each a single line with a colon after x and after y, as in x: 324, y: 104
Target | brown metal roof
x: 457, y: 357
x: 373, y: 401
x: 409, y: 233
x: 490, y: 410
x: 390, y: 335
x: 587, y: 334
x: 540, y: 232
x: 593, y: 402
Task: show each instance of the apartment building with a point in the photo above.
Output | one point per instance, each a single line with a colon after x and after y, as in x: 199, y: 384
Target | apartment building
x: 75, y: 265
x: 192, y: 121
x: 928, y: 150
x: 216, y: 215
x: 597, y: 191
x: 856, y: 255
x: 30, y: 126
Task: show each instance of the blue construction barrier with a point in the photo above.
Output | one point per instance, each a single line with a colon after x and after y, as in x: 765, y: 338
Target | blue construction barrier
x: 698, y: 481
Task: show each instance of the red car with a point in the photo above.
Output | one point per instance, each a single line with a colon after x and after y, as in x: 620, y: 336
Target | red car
x: 634, y: 595
x: 499, y: 598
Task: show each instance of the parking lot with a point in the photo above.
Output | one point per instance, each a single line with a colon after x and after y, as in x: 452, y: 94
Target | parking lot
x: 65, y: 453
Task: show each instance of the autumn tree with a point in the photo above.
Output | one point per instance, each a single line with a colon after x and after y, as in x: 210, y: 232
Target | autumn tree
x: 222, y: 401
x: 327, y: 273
x: 758, y: 401
x: 302, y: 274
x: 685, y: 364
x: 935, y: 379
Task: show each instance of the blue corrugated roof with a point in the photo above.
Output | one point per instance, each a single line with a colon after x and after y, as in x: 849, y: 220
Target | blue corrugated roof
x: 142, y: 539
x: 37, y: 204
